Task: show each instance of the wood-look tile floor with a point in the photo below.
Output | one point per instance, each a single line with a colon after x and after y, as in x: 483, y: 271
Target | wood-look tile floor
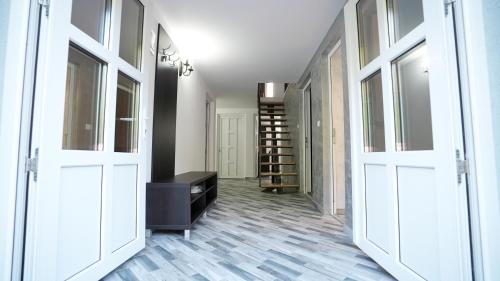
x: 253, y: 235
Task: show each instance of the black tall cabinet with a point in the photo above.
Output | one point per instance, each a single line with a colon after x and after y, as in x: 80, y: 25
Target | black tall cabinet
x: 165, y: 111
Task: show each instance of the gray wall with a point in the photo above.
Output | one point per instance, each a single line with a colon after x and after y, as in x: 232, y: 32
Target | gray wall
x: 318, y: 72
x: 293, y: 109
x: 492, y: 32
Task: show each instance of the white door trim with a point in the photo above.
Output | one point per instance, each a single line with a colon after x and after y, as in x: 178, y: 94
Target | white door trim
x: 331, y: 158
x: 304, y: 134
x: 479, y: 139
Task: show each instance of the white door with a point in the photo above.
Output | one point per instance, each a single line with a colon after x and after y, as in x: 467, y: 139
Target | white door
x: 410, y: 209
x: 86, y: 204
x: 337, y: 115
x: 307, y: 140
x: 231, y: 146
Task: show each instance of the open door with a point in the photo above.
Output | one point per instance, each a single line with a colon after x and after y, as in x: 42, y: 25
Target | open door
x: 409, y: 201
x: 86, y: 201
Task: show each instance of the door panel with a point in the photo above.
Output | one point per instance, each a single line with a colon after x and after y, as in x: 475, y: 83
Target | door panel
x: 377, y: 206
x: 80, y: 222
x: 418, y: 227
x: 124, y: 205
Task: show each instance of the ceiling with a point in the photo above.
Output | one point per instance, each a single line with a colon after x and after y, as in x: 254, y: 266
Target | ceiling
x: 234, y: 44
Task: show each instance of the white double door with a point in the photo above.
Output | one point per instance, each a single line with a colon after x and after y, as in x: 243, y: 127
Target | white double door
x: 232, y: 143
x: 86, y: 203
x: 409, y: 203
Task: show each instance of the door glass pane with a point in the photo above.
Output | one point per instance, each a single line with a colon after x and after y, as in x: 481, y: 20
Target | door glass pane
x: 412, y: 103
x: 90, y: 17
x: 84, y: 102
x: 404, y: 15
x: 373, y: 114
x: 131, y: 32
x: 367, y: 31
x: 127, y: 115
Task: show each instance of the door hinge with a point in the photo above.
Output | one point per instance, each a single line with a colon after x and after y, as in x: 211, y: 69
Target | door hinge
x: 448, y: 4
x: 462, y: 167
x: 32, y: 165
x: 45, y: 5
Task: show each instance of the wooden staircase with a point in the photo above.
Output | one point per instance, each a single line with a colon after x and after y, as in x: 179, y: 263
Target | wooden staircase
x: 275, y: 150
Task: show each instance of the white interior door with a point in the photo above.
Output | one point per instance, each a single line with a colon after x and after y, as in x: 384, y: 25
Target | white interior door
x: 307, y: 140
x: 410, y: 209
x: 338, y: 143
x: 231, y: 146
x: 86, y: 204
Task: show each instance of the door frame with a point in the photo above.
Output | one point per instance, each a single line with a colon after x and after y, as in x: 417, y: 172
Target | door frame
x: 243, y: 162
x: 353, y: 70
x: 305, y: 181
x: 477, y: 119
x: 331, y: 158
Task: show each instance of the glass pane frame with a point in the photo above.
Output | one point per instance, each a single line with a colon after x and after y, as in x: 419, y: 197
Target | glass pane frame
x: 100, y: 114
x: 393, y: 21
x: 104, y: 36
x: 133, y: 107
x: 364, y: 57
x: 403, y: 139
x: 137, y: 60
x: 373, y: 129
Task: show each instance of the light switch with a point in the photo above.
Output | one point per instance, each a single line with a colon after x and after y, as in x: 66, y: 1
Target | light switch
x: 318, y: 123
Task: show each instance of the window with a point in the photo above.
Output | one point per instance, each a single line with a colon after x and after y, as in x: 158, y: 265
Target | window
x: 404, y: 16
x: 412, y: 105
x: 91, y: 17
x: 369, y: 47
x: 373, y: 114
x: 131, y: 32
x: 84, y: 102
x: 127, y: 115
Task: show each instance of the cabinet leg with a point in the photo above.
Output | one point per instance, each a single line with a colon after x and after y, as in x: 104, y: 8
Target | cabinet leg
x: 148, y: 233
x: 187, y: 234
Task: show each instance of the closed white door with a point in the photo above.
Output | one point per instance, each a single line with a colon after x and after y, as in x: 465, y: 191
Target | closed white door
x: 338, y: 136
x: 86, y: 203
x: 410, y: 205
x: 231, y: 146
x: 308, y: 185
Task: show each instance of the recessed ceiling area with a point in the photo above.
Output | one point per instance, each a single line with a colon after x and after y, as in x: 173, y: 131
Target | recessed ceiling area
x: 234, y: 44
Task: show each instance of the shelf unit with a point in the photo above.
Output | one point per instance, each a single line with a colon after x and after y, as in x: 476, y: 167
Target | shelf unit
x: 170, y: 205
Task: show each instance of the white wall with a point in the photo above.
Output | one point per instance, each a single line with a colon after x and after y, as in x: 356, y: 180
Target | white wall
x: 190, y: 126
x: 190, y: 129
x: 246, y: 105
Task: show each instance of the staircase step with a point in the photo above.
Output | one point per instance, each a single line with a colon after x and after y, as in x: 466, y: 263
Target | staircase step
x: 273, y: 125
x: 275, y: 132
x: 272, y: 119
x: 279, y: 103
x: 276, y: 154
x: 280, y: 186
x: 277, y: 163
x: 279, y: 174
x: 272, y: 114
x: 276, y: 146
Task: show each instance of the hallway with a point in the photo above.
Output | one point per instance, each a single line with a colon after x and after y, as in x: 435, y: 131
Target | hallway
x: 252, y: 235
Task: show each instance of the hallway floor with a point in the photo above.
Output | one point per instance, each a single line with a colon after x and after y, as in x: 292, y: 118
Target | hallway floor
x: 252, y: 235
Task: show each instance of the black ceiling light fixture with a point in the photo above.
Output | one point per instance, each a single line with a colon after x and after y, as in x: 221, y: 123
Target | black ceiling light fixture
x: 185, y: 69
